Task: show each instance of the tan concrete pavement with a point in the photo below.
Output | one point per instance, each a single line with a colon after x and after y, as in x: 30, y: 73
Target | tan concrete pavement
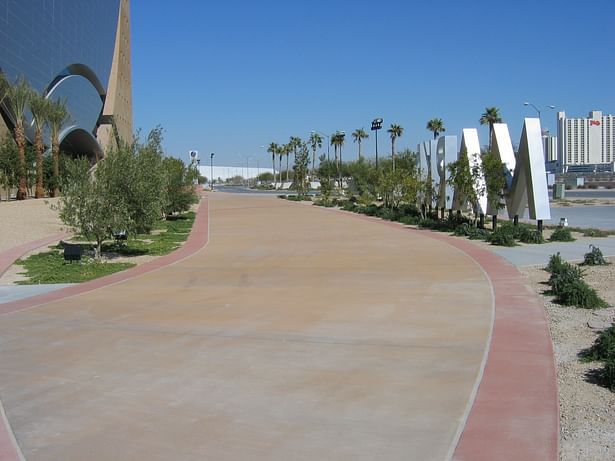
x: 297, y: 333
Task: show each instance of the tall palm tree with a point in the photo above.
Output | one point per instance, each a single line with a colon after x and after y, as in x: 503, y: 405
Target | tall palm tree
x: 358, y: 136
x: 490, y: 116
x: 295, y: 143
x: 18, y: 97
x: 395, y: 131
x: 57, y: 116
x: 288, y: 148
x: 280, y: 153
x: 315, y: 143
x: 39, y: 106
x: 436, y: 126
x: 337, y: 140
x: 273, y: 149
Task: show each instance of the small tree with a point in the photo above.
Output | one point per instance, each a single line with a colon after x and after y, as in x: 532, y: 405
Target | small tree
x: 301, y: 168
x: 9, y: 159
x: 494, y: 172
x: 87, y: 206
x: 326, y: 168
x: 180, y: 190
x: 463, y: 179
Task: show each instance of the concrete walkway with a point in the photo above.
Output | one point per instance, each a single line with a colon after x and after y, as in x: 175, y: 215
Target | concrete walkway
x: 298, y: 334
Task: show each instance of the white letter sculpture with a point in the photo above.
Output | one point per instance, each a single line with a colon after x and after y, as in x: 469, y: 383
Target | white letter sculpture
x: 446, y: 152
x: 527, y: 187
x: 471, y: 145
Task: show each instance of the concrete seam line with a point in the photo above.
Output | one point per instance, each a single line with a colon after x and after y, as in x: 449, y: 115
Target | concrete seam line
x: 122, y: 280
x: 9, y: 431
x: 481, y: 372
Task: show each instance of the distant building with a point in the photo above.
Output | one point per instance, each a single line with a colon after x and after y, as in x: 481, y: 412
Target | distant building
x: 586, y: 143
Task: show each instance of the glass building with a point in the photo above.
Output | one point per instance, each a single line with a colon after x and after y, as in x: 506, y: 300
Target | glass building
x: 78, y: 51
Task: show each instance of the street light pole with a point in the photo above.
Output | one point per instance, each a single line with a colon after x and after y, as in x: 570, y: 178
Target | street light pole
x: 248, y: 170
x: 211, y: 170
x: 376, y: 125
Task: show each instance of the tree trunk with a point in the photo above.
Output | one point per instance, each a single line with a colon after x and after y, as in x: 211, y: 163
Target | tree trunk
x: 287, y: 156
x: 20, y: 139
x: 55, y: 149
x: 393, y: 152
x: 313, y: 163
x: 360, y: 156
x: 40, y: 192
x: 275, y: 182
x: 494, y: 222
x: 280, y: 171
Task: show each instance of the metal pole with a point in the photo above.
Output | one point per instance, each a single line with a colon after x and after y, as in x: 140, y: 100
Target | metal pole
x: 376, y: 149
x: 211, y: 171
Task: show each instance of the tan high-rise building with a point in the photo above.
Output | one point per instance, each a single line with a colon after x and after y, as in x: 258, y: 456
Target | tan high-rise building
x: 83, y: 57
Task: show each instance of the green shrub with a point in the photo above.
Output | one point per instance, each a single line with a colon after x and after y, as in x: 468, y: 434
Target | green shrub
x: 462, y: 230
x: 478, y: 234
x: 370, y: 210
x: 608, y: 374
x: 564, y: 275
x: 594, y: 257
x: 409, y: 220
x: 580, y: 294
x: 349, y: 206
x: 531, y: 236
x: 594, y: 233
x: 561, y: 234
x: 555, y: 263
x: 604, y: 346
x: 503, y: 236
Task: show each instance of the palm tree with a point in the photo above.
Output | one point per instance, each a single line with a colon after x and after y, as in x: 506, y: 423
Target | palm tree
x: 280, y: 153
x: 359, y: 135
x: 39, y: 106
x: 334, y: 142
x: 19, y: 96
x: 337, y: 140
x: 294, y: 142
x: 273, y: 149
x: 395, y: 131
x: 316, y: 143
x: 436, y: 125
x: 288, y: 148
x: 490, y: 116
x: 57, y: 116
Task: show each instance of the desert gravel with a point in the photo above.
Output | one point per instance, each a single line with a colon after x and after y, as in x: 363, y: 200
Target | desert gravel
x: 587, y: 410
x: 24, y: 221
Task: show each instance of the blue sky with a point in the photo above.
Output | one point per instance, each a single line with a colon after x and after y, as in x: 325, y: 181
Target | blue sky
x: 231, y: 76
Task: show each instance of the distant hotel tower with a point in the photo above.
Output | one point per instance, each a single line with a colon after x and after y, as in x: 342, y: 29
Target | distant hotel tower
x: 586, y: 142
x: 78, y: 50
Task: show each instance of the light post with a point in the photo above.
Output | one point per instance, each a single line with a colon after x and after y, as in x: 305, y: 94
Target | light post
x: 211, y: 170
x: 376, y: 125
x: 342, y: 135
x: 527, y: 103
x: 248, y: 171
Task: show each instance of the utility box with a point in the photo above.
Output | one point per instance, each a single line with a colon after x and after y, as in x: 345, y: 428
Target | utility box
x: 559, y: 191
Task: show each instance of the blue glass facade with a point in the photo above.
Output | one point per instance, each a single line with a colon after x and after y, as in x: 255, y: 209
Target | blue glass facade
x: 39, y: 39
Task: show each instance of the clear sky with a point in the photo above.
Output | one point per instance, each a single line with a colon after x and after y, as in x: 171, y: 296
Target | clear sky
x: 230, y: 76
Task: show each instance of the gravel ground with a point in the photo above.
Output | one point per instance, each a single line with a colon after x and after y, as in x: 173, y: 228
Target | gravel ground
x: 587, y: 410
x: 24, y: 221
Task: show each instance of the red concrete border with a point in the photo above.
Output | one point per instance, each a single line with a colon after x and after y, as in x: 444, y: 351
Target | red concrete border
x: 515, y: 413
x: 197, y: 239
